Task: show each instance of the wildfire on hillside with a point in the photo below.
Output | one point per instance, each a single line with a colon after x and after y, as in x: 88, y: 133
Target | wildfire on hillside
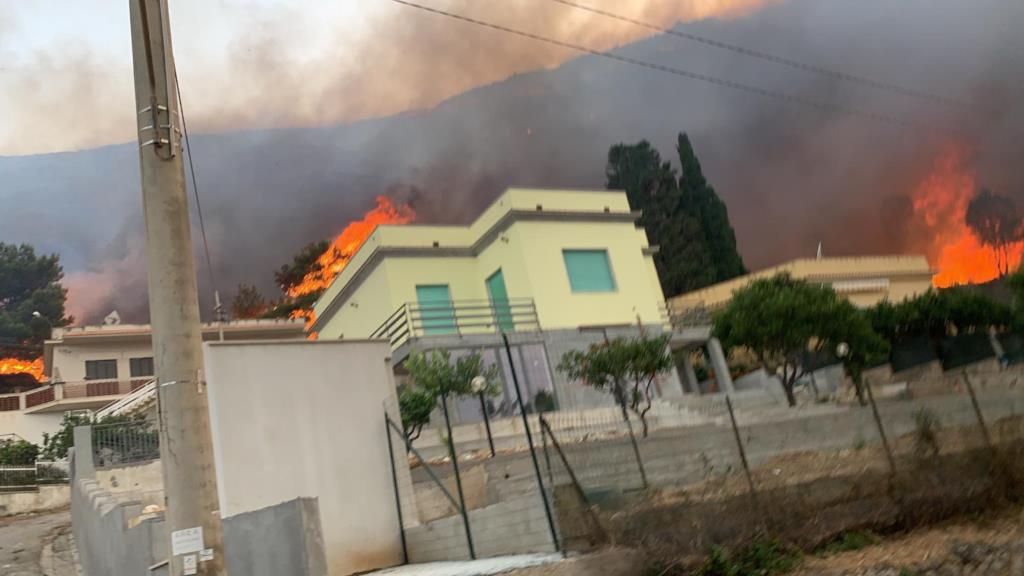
x: 33, y: 368
x: 345, y: 245
x: 940, y: 203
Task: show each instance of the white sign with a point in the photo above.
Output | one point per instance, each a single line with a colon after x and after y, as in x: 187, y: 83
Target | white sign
x: 206, y: 555
x: 188, y: 541
x: 191, y: 566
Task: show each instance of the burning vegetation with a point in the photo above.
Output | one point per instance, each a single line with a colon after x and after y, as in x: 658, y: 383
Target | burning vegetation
x: 969, y: 236
x: 10, y: 366
x: 316, y: 266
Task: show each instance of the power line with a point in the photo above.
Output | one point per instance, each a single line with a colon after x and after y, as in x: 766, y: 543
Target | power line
x: 195, y: 186
x: 781, y: 60
x: 751, y: 89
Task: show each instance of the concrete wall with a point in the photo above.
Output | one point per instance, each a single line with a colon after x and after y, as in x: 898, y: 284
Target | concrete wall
x: 142, y: 482
x: 113, y: 537
x: 29, y: 426
x: 306, y: 419
x: 283, y: 540
x: 517, y: 526
x: 41, y: 500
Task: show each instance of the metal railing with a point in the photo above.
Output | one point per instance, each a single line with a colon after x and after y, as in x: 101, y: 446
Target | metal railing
x: 458, y: 318
x: 125, y: 443
x: 31, y: 476
x: 58, y: 391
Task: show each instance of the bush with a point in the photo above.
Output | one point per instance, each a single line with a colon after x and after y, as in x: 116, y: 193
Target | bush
x: 18, y: 453
x: 765, y: 557
x: 849, y: 541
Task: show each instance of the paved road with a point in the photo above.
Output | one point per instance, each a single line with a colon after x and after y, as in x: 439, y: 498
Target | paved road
x: 22, y: 539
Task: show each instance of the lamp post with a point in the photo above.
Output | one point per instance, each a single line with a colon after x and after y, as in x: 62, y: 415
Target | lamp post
x: 479, y: 386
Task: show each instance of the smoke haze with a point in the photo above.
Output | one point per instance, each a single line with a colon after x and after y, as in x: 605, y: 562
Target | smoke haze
x: 791, y: 175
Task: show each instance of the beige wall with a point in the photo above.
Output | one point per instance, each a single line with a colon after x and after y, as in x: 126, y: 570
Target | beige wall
x: 306, y: 419
x: 69, y: 360
x: 557, y: 305
x: 906, y: 277
x: 29, y: 426
x: 142, y: 482
x: 529, y: 253
x: 46, y: 498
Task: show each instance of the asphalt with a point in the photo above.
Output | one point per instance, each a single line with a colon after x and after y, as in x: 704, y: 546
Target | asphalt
x: 23, y: 540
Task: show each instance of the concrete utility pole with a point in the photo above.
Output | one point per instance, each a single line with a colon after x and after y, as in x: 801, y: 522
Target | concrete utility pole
x: 186, y: 450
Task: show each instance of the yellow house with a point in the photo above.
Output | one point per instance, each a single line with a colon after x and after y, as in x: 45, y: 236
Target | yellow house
x: 864, y: 280
x: 534, y: 259
x: 556, y: 269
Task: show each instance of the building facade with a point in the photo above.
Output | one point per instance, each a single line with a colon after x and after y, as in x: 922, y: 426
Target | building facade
x: 864, y: 280
x: 89, y: 367
x: 554, y: 269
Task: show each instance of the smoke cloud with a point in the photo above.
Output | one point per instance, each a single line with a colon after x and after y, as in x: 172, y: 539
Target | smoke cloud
x: 792, y: 176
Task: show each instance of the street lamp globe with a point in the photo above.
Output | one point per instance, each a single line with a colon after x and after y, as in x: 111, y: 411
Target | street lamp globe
x: 843, y: 350
x: 478, y: 384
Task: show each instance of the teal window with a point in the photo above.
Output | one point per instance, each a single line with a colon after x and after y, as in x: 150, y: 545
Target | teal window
x: 589, y: 270
x: 499, y: 302
x: 436, y: 311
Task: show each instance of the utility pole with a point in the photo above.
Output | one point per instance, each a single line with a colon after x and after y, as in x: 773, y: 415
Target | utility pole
x: 186, y: 450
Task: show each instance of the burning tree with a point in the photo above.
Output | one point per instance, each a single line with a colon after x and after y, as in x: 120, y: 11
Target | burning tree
x: 996, y: 222
x: 315, y: 267
x: 31, y: 303
x: 627, y: 368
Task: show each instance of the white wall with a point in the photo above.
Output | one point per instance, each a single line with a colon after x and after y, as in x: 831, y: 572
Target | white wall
x: 30, y: 426
x: 306, y: 419
x: 69, y: 361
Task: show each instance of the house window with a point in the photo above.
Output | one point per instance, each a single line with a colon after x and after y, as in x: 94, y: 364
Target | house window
x: 100, y: 369
x: 141, y: 367
x: 589, y: 270
x: 436, y: 311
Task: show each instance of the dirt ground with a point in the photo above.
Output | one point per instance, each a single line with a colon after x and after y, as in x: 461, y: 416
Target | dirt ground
x: 923, y: 551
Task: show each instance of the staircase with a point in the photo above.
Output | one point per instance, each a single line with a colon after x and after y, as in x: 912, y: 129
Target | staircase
x: 134, y: 402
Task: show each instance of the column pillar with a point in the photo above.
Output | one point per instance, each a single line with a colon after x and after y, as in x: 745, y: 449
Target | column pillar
x: 690, y: 383
x: 722, y: 375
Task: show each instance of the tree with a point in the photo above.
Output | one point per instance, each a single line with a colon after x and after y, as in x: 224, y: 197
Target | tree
x: 57, y: 445
x: 435, y: 379
x: 416, y: 404
x: 307, y: 260
x: 780, y: 320
x: 624, y: 367
x: 711, y: 212
x: 938, y: 314
x: 31, y: 300
x: 683, y: 216
x: 248, y: 303
x: 996, y: 222
x: 290, y: 276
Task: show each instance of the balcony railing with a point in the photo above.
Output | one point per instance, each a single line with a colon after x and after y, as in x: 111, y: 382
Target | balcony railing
x: 72, y: 392
x: 458, y: 318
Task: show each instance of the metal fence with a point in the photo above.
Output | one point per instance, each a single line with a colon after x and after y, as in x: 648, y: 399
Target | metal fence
x: 125, y: 443
x: 31, y: 476
x: 934, y: 450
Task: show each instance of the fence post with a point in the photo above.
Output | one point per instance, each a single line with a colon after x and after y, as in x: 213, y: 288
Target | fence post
x: 398, y: 493
x: 743, y: 453
x: 458, y: 478
x: 529, y: 441
x: 981, y: 418
x: 487, y: 424
x: 881, y: 433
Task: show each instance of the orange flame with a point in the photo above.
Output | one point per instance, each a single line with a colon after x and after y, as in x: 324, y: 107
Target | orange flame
x: 940, y: 203
x: 16, y: 366
x: 333, y: 261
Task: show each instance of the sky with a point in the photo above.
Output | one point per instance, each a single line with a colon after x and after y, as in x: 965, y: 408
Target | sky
x: 65, y: 65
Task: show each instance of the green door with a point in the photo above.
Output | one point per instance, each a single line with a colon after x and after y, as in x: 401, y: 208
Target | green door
x: 499, y: 302
x: 437, y: 314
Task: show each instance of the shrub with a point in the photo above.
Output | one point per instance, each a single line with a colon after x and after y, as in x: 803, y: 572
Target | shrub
x: 926, y: 433
x: 18, y: 453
